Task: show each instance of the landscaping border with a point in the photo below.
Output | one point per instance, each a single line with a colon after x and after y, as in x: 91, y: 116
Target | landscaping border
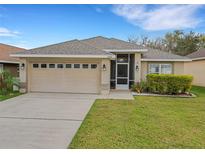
x: 160, y: 95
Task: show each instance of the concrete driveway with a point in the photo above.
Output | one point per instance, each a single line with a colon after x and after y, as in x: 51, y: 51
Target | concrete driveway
x: 42, y: 120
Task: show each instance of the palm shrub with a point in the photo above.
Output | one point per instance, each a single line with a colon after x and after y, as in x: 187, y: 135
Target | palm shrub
x: 7, y: 81
x: 139, y: 87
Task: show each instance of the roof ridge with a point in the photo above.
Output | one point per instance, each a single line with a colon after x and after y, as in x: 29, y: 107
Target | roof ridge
x: 11, y: 46
x: 95, y: 37
x: 54, y: 44
x: 92, y: 46
x: 125, y: 41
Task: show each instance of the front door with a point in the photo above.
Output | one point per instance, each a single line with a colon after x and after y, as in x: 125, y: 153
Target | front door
x: 122, y: 71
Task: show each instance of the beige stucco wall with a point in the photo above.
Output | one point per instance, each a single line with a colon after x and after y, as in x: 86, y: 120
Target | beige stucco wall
x: 23, y: 75
x: 137, y: 63
x: 197, y: 69
x: 177, y: 67
x: 144, y: 70
x: 104, y: 75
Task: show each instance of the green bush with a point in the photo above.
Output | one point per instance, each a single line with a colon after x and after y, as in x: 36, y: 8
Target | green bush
x: 169, y: 83
x: 7, y: 81
x: 140, y: 87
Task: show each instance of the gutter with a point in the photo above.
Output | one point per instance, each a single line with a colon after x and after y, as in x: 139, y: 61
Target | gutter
x: 200, y: 58
x: 166, y: 59
x: 125, y: 50
x: 7, y: 61
x: 61, y: 56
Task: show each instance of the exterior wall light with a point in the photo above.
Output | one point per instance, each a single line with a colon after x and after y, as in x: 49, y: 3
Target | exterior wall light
x: 22, y: 66
x: 137, y: 68
x: 104, y: 67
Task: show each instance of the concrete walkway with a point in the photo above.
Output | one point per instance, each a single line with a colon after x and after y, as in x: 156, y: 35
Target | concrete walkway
x: 118, y: 94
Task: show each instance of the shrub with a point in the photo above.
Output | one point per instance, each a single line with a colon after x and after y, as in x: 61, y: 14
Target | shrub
x: 139, y: 87
x: 169, y: 83
x: 7, y: 81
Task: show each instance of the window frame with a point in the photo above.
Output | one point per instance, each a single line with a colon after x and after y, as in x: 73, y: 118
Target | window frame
x: 71, y: 66
x: 52, y: 67
x: 85, y: 67
x: 35, y: 64
x: 93, y: 67
x: 43, y: 64
x: 59, y: 67
x: 160, y: 68
x: 76, y: 67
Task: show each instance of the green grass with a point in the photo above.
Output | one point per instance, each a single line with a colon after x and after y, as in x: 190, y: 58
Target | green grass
x: 146, y: 122
x: 11, y: 95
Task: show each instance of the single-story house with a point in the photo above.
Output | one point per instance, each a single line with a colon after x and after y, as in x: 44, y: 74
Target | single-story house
x: 7, y: 62
x: 196, y: 67
x: 93, y: 65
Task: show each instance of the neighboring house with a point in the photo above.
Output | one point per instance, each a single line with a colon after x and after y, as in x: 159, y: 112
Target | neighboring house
x: 197, y: 67
x: 93, y: 65
x: 6, y: 61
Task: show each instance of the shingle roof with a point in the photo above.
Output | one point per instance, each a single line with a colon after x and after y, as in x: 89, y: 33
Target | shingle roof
x: 111, y: 43
x: 198, y: 54
x: 73, y: 47
x: 97, y: 46
x: 6, y: 50
x: 158, y: 54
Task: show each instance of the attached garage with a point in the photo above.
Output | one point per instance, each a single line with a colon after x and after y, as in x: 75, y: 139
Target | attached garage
x: 65, y: 77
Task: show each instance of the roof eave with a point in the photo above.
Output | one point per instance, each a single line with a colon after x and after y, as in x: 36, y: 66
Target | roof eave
x: 8, y: 61
x: 125, y: 50
x: 60, y: 56
x: 144, y: 59
x: 199, y: 58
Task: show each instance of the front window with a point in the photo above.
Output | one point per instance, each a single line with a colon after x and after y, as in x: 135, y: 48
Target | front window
x: 166, y: 69
x: 160, y: 68
x: 154, y: 68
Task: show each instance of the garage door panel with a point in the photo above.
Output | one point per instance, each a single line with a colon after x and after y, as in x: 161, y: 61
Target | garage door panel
x: 74, y: 80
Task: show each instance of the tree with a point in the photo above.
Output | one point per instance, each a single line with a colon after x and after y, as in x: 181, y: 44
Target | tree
x: 177, y: 42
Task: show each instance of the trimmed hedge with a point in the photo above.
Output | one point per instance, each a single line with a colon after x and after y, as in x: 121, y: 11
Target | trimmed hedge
x: 169, y: 83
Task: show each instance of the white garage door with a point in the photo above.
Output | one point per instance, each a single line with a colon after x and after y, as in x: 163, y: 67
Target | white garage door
x: 70, y: 78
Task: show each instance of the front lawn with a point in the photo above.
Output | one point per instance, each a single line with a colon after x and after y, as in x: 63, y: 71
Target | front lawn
x: 146, y: 122
x: 11, y: 95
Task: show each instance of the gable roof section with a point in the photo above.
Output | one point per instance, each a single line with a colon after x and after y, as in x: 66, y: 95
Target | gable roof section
x: 98, y: 47
x: 69, y: 48
x: 112, y: 44
x: 6, y: 50
x: 198, y: 55
x: 158, y: 55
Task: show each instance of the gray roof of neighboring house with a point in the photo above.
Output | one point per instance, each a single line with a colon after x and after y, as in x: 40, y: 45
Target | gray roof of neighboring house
x: 198, y: 54
x: 111, y: 43
x: 157, y: 54
x: 73, y: 47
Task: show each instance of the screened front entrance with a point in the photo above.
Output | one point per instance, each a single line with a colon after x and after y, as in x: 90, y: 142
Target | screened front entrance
x: 122, y: 71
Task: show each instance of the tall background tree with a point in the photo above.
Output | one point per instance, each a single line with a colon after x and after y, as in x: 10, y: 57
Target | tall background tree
x: 177, y: 42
